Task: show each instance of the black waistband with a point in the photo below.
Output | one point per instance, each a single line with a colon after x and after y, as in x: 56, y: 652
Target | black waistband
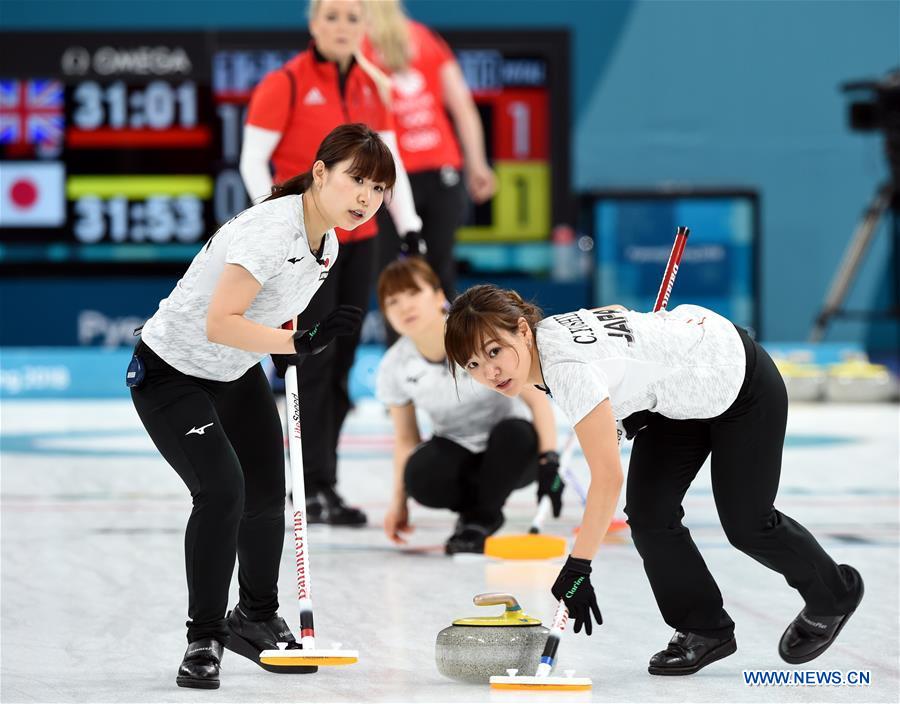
x: 750, y: 356
x: 151, y: 359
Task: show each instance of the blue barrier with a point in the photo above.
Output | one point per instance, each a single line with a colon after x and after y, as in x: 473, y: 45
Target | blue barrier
x: 92, y: 372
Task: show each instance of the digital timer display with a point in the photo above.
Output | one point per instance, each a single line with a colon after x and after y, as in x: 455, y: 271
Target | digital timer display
x: 126, y: 151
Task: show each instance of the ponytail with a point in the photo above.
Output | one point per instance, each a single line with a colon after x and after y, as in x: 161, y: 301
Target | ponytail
x: 389, y: 33
x: 369, y: 158
x: 294, y: 186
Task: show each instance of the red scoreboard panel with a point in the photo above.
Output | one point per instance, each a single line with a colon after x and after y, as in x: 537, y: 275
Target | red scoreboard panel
x: 120, y: 152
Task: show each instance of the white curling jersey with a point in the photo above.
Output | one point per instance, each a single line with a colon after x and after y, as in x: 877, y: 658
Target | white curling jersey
x: 684, y: 363
x: 462, y: 411
x: 269, y: 241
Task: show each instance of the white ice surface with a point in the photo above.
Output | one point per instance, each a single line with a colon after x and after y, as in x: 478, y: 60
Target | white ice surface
x: 94, y: 597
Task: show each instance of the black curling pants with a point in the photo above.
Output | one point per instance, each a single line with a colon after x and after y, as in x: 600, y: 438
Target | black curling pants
x: 441, y: 202
x: 746, y: 444
x: 324, y: 378
x: 225, y: 441
x: 443, y: 474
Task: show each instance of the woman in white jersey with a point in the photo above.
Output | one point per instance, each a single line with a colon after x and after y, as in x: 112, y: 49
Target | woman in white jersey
x: 201, y: 394
x: 483, y: 445
x: 690, y: 384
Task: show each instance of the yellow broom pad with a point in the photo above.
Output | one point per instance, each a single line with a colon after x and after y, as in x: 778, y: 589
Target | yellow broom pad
x: 308, y: 658
x: 542, y: 684
x: 527, y: 546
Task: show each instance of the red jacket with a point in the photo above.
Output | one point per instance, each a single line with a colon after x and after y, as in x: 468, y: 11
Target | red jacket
x: 303, y: 101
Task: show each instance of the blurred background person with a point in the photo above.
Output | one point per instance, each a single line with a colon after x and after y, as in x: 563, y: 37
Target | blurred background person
x: 427, y: 90
x: 291, y: 110
x: 484, y: 445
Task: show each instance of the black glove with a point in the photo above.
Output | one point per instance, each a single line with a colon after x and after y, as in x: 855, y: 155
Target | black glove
x: 343, y: 320
x: 549, y: 482
x: 573, y: 586
x: 412, y: 244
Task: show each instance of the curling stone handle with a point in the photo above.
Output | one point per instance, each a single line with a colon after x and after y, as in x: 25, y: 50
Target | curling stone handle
x: 495, y: 598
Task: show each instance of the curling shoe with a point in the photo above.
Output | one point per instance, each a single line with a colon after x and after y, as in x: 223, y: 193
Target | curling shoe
x: 250, y: 638
x: 689, y: 652
x: 809, y: 636
x: 200, y: 667
x: 469, y: 537
x: 326, y: 506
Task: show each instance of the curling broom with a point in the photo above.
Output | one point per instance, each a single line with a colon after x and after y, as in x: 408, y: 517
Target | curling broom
x: 541, y: 680
x: 307, y: 655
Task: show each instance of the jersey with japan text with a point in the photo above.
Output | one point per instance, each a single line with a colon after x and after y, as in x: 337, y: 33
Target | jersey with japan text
x: 269, y: 241
x: 684, y: 363
x: 462, y: 411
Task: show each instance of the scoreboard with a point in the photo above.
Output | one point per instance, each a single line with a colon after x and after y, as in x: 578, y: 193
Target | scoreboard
x: 120, y: 152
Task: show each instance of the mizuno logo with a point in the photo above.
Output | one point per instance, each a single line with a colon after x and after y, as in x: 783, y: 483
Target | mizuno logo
x: 294, y: 260
x: 199, y: 431
x: 414, y: 379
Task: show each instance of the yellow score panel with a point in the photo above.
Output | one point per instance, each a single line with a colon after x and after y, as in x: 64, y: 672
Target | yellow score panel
x: 138, y: 187
x: 520, y: 210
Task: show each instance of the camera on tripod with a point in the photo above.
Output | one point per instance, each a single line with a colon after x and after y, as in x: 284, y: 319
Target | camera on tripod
x: 875, y: 107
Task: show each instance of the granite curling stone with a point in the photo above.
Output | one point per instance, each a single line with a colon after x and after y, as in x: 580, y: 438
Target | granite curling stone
x: 804, y: 382
x: 473, y: 649
x: 857, y: 381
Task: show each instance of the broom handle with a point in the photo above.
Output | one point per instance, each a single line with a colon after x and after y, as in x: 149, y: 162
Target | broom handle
x: 557, y: 628
x: 665, y: 288
x: 301, y: 551
x: 545, y: 505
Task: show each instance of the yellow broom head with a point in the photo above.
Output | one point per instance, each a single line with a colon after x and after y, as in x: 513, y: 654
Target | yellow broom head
x: 542, y: 684
x: 527, y: 546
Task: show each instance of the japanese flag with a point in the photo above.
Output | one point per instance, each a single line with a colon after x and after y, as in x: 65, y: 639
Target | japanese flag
x: 32, y: 194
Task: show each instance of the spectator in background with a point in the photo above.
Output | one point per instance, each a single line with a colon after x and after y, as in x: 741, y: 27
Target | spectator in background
x: 426, y: 83
x: 291, y: 110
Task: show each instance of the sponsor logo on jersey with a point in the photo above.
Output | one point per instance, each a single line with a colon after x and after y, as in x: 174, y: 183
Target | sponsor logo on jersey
x: 314, y: 97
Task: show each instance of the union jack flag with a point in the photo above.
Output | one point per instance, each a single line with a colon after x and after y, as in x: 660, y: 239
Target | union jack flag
x: 31, y: 112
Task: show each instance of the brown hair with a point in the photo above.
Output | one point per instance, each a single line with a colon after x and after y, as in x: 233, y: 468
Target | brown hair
x: 478, y: 315
x: 400, y: 275
x: 371, y: 159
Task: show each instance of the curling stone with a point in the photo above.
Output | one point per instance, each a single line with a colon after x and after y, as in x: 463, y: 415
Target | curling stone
x: 804, y: 382
x: 474, y: 649
x: 859, y: 381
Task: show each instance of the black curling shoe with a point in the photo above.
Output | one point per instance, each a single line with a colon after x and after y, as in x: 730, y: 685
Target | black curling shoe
x: 809, y: 636
x: 470, y: 536
x: 200, y: 667
x: 249, y: 638
x: 326, y: 506
x: 688, y: 652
